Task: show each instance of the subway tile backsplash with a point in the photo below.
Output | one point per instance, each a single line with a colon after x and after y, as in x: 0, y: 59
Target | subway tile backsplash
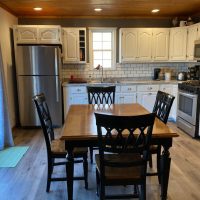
x: 124, y: 70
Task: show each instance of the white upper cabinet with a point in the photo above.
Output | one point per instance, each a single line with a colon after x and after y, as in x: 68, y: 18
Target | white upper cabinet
x: 144, y: 43
x: 49, y: 34
x: 192, y: 36
x: 128, y: 44
x: 198, y: 33
x: 160, y: 46
x: 178, y: 43
x: 135, y: 44
x: 26, y: 34
x: 74, y: 45
x: 70, y: 45
x: 37, y: 34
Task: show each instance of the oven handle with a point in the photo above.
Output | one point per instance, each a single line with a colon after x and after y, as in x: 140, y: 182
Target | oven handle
x: 188, y: 95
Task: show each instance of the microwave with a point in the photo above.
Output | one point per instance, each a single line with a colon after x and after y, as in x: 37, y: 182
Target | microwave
x: 197, y: 49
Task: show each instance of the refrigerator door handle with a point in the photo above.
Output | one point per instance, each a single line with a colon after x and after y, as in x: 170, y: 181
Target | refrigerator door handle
x: 56, y: 72
x: 57, y: 89
x: 56, y: 61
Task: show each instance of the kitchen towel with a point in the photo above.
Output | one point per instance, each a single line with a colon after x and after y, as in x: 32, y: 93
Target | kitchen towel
x: 10, y: 157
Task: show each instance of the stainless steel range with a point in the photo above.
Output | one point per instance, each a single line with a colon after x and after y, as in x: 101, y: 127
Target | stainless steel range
x: 188, y: 110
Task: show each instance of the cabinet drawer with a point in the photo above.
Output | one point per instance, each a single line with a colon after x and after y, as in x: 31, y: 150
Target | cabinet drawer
x: 128, y: 88
x: 147, y: 88
x: 166, y: 88
x: 78, y: 89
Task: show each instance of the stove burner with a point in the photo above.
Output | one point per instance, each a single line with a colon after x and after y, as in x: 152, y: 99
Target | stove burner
x: 191, y: 86
x: 192, y: 82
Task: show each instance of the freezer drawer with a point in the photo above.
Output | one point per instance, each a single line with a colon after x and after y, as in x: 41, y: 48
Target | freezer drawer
x: 28, y: 86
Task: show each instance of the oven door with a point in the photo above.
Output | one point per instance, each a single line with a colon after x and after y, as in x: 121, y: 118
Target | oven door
x: 187, y: 106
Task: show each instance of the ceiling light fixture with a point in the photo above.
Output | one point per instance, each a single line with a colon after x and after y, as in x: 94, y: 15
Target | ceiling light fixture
x: 155, y: 10
x: 98, y: 9
x: 37, y: 9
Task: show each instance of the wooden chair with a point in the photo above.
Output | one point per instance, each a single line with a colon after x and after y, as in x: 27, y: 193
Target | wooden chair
x: 162, y: 109
x: 56, y: 147
x: 128, y: 152
x: 100, y: 95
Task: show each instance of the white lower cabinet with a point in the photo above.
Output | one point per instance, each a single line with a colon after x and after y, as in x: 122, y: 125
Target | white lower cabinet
x: 74, y: 95
x: 142, y: 94
x: 173, y: 90
x: 125, y: 94
x: 146, y: 95
x: 147, y: 99
x: 125, y: 98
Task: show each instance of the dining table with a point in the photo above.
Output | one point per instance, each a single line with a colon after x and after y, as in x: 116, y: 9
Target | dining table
x: 79, y: 130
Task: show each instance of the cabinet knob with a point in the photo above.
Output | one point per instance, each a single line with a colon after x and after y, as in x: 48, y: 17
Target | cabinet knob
x: 149, y: 88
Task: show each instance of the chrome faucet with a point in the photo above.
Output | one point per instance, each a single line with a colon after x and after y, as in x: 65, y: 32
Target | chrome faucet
x: 98, y: 67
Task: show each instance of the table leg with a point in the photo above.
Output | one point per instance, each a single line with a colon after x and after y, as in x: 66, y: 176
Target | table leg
x: 70, y: 173
x: 165, y: 169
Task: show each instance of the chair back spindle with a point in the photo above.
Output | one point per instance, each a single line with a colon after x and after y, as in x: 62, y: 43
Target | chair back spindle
x: 101, y: 95
x: 163, y: 105
x: 45, y: 119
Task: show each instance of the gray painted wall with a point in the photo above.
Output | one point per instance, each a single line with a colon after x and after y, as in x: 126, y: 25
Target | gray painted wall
x: 98, y: 22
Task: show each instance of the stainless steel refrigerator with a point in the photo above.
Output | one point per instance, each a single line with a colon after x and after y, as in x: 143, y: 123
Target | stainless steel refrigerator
x: 38, y: 70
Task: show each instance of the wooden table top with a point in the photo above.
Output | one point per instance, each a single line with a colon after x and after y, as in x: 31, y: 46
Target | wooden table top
x: 80, y: 123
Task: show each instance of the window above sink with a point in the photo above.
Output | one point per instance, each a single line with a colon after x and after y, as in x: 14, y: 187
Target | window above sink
x: 102, y: 47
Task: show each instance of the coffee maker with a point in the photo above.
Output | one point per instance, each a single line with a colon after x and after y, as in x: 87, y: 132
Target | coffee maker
x: 156, y: 74
x: 194, y: 72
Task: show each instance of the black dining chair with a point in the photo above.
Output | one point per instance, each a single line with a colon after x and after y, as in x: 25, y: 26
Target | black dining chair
x: 56, y: 147
x: 124, y: 143
x: 162, y: 109
x: 98, y: 95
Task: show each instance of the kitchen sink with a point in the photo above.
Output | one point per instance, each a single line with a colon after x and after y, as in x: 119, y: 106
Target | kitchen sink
x: 104, y: 82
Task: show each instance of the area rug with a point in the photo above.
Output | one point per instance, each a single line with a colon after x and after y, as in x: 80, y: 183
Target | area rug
x: 9, y: 157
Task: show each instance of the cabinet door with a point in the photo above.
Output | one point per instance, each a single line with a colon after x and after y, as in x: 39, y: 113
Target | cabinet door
x: 192, y: 36
x: 66, y: 102
x: 147, y: 99
x: 160, y: 46
x: 198, y: 32
x: 78, y: 99
x: 128, y: 44
x: 173, y: 112
x: 178, y: 41
x: 144, y: 44
x: 171, y: 89
x: 26, y: 34
x: 126, y: 98
x: 49, y: 35
x: 70, y: 45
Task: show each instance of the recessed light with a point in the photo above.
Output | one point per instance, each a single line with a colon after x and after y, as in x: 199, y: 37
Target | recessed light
x: 37, y: 9
x: 98, y: 9
x: 155, y: 10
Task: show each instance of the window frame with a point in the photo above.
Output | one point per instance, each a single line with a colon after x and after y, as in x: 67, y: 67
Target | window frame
x: 113, y: 31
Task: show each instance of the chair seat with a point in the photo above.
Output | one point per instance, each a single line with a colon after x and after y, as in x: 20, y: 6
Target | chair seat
x: 58, y: 147
x: 127, y: 173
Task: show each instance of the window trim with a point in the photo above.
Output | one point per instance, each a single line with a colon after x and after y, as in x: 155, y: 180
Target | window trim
x: 113, y: 30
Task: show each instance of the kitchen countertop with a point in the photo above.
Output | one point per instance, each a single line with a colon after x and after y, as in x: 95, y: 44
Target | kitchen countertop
x: 122, y: 82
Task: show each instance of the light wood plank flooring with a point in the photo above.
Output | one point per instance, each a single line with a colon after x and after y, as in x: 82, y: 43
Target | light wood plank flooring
x: 27, y: 181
